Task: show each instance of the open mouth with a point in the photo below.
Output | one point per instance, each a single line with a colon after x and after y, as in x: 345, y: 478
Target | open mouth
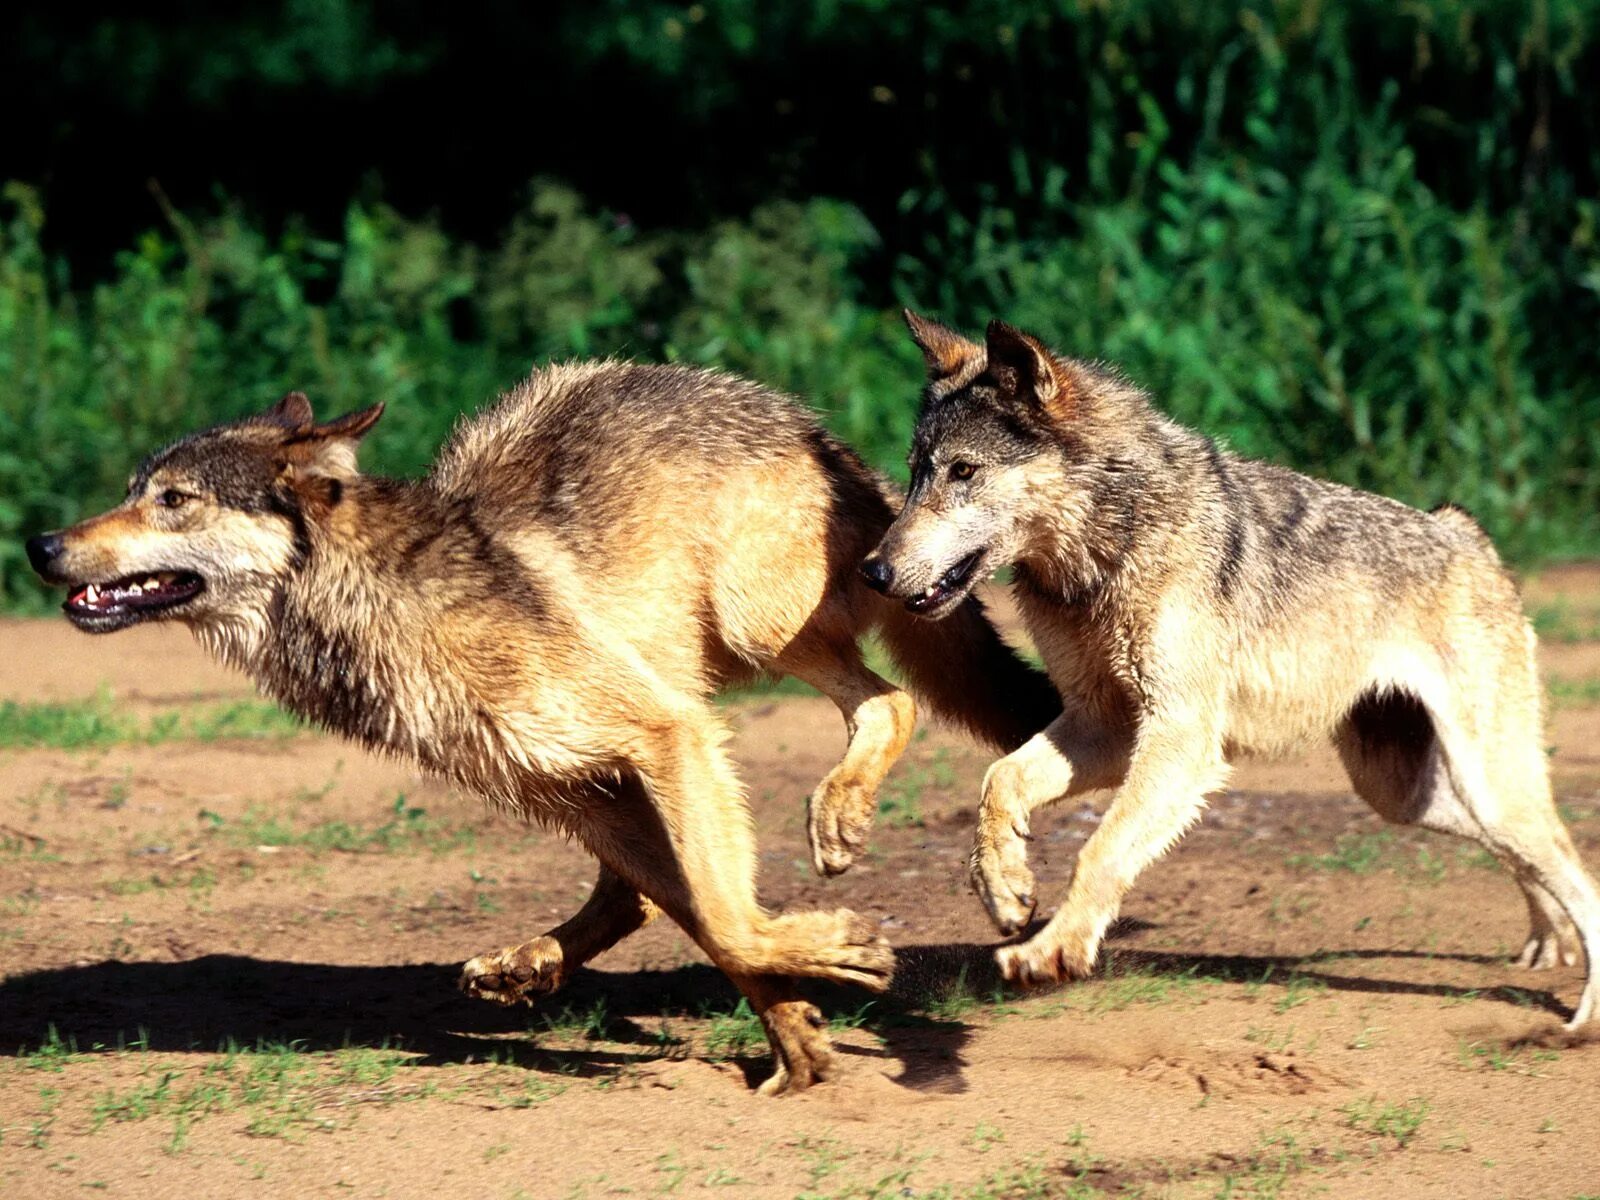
x: 101, y: 607
x: 951, y: 585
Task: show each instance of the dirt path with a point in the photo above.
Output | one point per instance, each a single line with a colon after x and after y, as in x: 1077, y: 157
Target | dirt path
x: 228, y: 968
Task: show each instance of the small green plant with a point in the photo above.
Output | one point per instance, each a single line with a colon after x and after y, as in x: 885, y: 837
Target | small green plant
x: 1357, y: 853
x: 735, y: 1033
x: 1562, y: 622
x: 407, y: 828
x: 1299, y: 989
x: 986, y: 1135
x: 1399, y: 1121
x: 1566, y: 692
x: 592, y: 1023
x: 952, y: 1000
x: 52, y: 1053
x: 900, y: 802
x: 1120, y: 986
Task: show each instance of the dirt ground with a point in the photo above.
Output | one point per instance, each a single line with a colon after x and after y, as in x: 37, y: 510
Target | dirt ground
x: 227, y: 968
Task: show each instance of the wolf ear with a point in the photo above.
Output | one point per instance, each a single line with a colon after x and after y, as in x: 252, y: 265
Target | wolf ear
x: 1023, y: 367
x: 946, y: 350
x: 330, y: 449
x: 294, y: 411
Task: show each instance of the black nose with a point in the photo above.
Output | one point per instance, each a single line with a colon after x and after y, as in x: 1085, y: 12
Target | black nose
x: 878, y: 574
x: 44, y: 550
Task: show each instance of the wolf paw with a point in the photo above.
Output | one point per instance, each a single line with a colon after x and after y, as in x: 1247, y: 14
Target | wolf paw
x: 1001, y: 877
x: 798, y: 1033
x: 516, y: 974
x: 838, y: 945
x: 838, y: 827
x: 1043, y: 961
x: 1545, y: 949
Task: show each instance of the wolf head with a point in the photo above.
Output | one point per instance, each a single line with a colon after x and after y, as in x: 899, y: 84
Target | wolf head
x: 211, y: 524
x: 991, y: 459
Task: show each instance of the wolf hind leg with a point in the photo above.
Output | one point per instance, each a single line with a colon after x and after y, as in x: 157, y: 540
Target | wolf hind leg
x: 679, y: 832
x: 701, y: 811
x: 518, y: 974
x: 1423, y: 763
x: 879, y: 718
x: 1397, y: 764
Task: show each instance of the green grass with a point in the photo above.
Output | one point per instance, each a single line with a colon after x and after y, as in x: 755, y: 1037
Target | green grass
x: 1398, y: 1121
x: 900, y: 801
x: 280, y: 1085
x: 736, y: 1033
x: 1565, y: 623
x: 1119, y: 986
x: 1573, y: 693
x: 765, y: 688
x: 1322, y: 232
x: 407, y: 828
x: 98, y: 722
x: 1355, y: 853
x: 591, y: 1024
x: 52, y: 1054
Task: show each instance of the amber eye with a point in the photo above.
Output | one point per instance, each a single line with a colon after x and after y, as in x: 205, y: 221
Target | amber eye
x: 172, y: 498
x: 962, y: 470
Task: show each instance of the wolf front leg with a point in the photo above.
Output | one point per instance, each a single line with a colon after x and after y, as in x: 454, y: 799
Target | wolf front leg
x: 879, y: 718
x: 518, y: 974
x: 1072, y: 756
x: 1176, y: 764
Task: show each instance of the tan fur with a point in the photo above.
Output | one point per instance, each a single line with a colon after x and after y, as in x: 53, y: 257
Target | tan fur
x: 1192, y: 608
x: 546, y: 617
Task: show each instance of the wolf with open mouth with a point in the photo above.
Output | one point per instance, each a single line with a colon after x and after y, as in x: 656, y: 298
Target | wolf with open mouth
x: 545, y: 617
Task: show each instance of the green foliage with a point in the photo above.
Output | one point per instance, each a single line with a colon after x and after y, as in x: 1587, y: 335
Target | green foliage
x: 407, y: 828
x: 1399, y: 1121
x: 98, y: 722
x: 1360, y: 240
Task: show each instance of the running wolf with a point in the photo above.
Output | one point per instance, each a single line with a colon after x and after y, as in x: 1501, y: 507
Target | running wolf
x: 544, y: 618
x: 1192, y: 607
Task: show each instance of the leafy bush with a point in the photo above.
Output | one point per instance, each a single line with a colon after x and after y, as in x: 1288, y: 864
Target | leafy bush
x: 1360, y: 239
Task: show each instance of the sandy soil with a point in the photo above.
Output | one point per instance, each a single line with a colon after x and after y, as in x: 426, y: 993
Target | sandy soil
x: 238, y: 957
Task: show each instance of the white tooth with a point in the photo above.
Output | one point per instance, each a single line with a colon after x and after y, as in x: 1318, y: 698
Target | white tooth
x: 135, y: 589
x: 92, y: 594
x: 151, y: 584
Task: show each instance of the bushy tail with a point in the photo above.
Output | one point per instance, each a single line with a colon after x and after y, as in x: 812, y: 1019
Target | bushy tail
x: 961, y: 669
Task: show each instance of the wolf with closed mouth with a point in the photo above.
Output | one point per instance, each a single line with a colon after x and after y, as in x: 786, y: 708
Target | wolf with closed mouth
x: 545, y: 616
x: 1193, y: 607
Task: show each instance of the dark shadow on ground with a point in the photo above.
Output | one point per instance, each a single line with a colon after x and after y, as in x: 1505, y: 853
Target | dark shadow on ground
x: 205, y: 1003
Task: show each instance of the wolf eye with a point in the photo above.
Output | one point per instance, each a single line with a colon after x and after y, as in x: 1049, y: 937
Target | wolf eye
x: 962, y: 470
x: 172, y: 498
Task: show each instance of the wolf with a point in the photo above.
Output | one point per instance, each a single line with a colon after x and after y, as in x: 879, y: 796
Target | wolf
x: 1193, y: 607
x: 544, y: 618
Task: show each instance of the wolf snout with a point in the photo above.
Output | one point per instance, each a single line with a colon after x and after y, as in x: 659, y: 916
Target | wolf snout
x: 879, y: 575
x: 43, y: 551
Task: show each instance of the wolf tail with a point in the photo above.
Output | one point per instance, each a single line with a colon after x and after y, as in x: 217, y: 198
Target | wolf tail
x: 962, y: 670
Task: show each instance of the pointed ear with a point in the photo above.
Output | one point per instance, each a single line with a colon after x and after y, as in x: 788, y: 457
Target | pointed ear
x: 946, y: 350
x: 330, y: 449
x: 1023, y: 367
x: 293, y: 411
x: 352, y: 425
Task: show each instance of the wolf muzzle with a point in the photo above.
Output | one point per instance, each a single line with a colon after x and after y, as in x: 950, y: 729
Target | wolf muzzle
x: 43, y: 553
x: 878, y: 574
